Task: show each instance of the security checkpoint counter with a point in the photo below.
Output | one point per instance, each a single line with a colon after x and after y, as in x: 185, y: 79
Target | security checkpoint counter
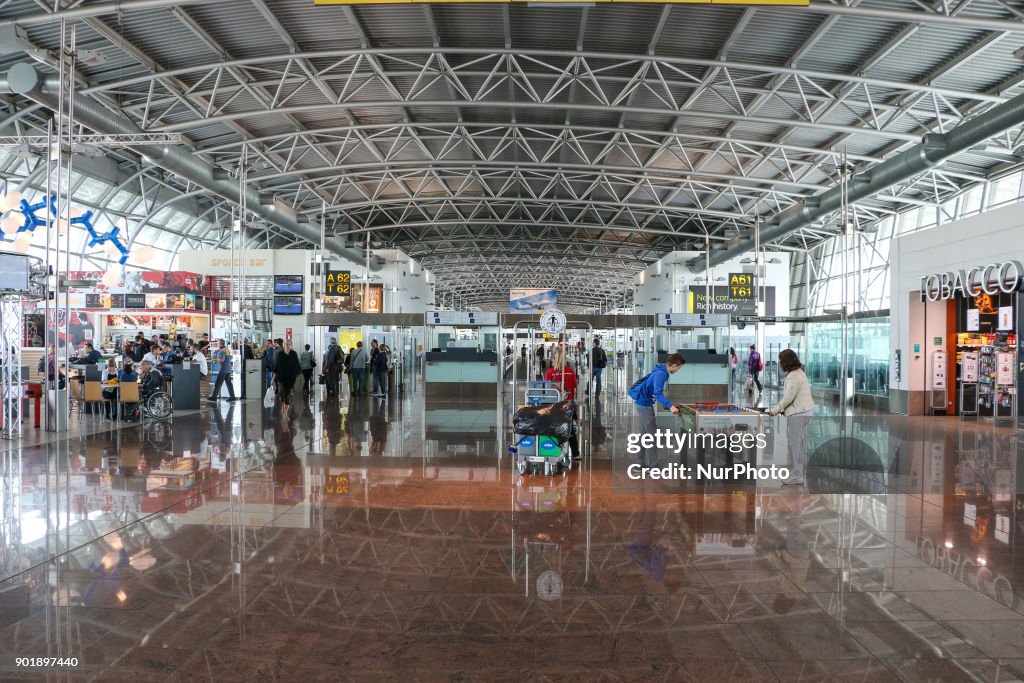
x: 459, y: 373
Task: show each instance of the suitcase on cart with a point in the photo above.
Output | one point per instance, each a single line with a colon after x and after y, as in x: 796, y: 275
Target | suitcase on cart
x: 539, y: 452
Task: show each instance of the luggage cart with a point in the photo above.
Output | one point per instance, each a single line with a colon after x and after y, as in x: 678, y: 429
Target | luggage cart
x: 721, y: 417
x: 536, y: 452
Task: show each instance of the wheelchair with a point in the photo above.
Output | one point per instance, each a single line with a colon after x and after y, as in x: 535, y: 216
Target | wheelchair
x: 156, y: 406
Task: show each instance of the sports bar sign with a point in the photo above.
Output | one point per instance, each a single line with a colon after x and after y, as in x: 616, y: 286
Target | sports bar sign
x: 990, y: 279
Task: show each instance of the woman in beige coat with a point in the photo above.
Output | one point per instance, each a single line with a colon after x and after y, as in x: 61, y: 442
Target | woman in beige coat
x: 797, y: 405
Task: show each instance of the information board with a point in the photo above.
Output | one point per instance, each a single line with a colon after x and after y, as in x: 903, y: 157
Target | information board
x: 692, y: 320
x: 938, y: 370
x: 457, y: 318
x: 1004, y: 369
x: 338, y: 283
x: 970, y: 367
x: 741, y: 285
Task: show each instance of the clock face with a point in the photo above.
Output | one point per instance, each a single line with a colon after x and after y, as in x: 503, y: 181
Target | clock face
x: 549, y: 585
x: 552, y: 321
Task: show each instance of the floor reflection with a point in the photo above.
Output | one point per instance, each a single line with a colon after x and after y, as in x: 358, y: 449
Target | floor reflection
x: 357, y: 536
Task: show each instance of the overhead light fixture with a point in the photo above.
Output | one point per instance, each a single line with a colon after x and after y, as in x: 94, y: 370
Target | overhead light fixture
x: 22, y: 242
x: 143, y: 254
x: 90, y: 57
x: 112, y: 277
x: 12, y: 222
x: 747, y: 260
x: 11, y: 201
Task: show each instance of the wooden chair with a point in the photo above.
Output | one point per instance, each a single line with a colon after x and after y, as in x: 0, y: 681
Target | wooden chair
x: 77, y: 397
x: 94, y: 394
x: 129, y: 393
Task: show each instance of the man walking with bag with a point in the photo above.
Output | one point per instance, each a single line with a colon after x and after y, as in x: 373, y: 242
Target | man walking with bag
x: 647, y: 391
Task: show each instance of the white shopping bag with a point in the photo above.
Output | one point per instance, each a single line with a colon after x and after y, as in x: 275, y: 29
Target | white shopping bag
x: 268, y: 398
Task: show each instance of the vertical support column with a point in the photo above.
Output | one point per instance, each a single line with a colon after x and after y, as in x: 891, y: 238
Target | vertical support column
x: 10, y: 364
x: 10, y: 512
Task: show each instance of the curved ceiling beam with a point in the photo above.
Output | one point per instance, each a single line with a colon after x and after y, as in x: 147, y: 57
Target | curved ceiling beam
x: 653, y: 173
x: 299, y: 109
x: 918, y: 17
x: 97, y: 10
x: 383, y: 203
x: 443, y: 135
x: 138, y: 106
x: 525, y: 223
x: 431, y: 55
x: 494, y: 259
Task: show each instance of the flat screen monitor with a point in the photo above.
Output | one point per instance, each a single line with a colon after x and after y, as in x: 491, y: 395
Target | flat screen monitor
x: 14, y: 272
x: 287, y: 284
x: 287, y: 305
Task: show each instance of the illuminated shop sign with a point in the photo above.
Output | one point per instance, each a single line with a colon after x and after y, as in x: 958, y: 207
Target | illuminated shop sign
x: 991, y: 279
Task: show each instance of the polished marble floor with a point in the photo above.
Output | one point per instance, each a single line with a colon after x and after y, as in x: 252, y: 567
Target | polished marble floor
x: 363, y: 540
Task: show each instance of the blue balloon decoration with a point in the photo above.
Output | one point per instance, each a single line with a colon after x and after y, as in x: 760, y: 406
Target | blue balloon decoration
x: 33, y: 221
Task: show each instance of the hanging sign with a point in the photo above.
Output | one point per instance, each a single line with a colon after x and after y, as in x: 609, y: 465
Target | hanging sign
x: 339, y: 283
x: 692, y: 320
x: 741, y: 285
x: 991, y: 279
x: 457, y: 318
x: 973, y: 320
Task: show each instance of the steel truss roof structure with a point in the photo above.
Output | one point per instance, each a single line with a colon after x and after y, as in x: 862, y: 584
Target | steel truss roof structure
x: 530, y: 146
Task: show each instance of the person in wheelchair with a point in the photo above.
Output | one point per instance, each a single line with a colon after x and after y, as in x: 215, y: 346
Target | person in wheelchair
x: 151, y: 380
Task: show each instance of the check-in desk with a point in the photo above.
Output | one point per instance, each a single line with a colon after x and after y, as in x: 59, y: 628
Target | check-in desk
x: 704, y: 377
x: 456, y: 373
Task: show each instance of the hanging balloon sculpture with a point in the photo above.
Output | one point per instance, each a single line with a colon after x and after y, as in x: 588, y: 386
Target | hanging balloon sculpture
x: 32, y: 221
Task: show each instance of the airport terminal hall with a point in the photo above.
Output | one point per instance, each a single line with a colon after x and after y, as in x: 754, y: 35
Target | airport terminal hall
x: 513, y: 340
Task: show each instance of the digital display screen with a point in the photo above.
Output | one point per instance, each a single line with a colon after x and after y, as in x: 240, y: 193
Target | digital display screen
x: 287, y: 305
x: 134, y: 300
x: 13, y: 273
x: 287, y: 284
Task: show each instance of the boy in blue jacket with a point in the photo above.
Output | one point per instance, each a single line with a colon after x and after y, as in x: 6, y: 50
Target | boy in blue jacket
x: 653, y: 390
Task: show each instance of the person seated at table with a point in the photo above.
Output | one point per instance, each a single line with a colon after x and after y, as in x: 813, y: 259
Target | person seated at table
x: 89, y: 355
x: 150, y: 380
x: 114, y: 378
x: 167, y: 358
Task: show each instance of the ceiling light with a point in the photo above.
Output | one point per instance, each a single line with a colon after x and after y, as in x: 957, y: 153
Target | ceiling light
x: 12, y: 222
x: 112, y: 277
x: 22, y: 242
x: 143, y: 254
x: 12, y: 200
x: 90, y: 57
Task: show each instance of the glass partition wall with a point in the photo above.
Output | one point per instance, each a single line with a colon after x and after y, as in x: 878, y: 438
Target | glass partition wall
x: 867, y: 360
